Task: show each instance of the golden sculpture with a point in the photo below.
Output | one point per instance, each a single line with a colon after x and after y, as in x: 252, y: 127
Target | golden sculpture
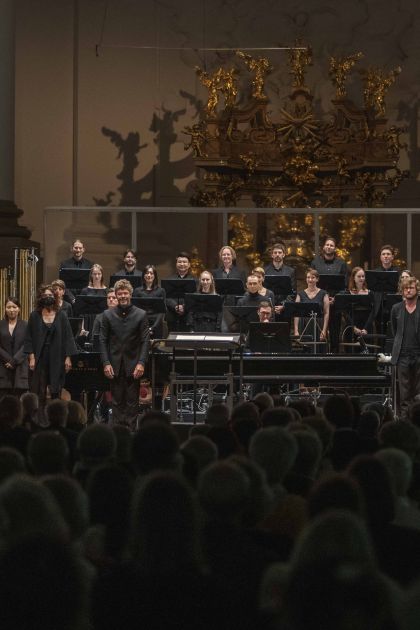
x: 214, y: 84
x: 299, y: 57
x: 377, y: 83
x: 199, y: 136
x: 339, y: 69
x: 228, y: 87
x: 261, y: 67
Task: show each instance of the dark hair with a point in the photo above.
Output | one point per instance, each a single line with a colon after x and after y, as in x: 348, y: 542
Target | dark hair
x: 329, y: 238
x: 183, y: 255
x: 278, y: 245
x: 110, y: 290
x: 155, y: 279
x: 130, y: 251
x: 391, y: 249
x: 12, y: 299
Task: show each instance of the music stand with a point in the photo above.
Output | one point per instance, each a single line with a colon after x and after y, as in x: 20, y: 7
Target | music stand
x: 351, y: 302
x: 89, y: 304
x: 310, y: 310
x: 76, y: 325
x: 74, y: 279
x: 279, y: 285
x: 176, y: 288
x: 332, y: 283
x: 229, y: 286
x: 237, y: 318
x: 382, y: 281
x: 152, y: 305
x: 135, y: 281
x: 270, y: 337
x: 392, y: 298
x: 203, y: 302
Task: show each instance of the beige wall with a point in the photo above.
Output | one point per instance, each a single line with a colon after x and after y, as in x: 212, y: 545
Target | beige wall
x: 127, y: 89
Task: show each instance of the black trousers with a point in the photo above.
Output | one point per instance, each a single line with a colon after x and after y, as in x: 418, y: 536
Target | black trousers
x: 125, y: 399
x: 408, y: 373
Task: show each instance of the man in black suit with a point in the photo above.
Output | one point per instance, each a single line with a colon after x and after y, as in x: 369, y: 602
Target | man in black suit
x: 405, y: 324
x: 176, y: 315
x: 76, y: 261
x: 124, y: 342
x: 129, y: 264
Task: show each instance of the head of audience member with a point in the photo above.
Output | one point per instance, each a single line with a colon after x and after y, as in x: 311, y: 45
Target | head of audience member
x: 76, y: 418
x: 223, y: 489
x: 369, y: 423
x: 265, y: 311
x: 48, y: 453
x: 155, y: 447
x: 183, y: 264
x: 224, y: 439
x: 339, y: 412
x: 169, y: 546
x: 260, y: 496
x: 252, y: 284
x: 96, y: 277
x: 57, y: 412
x: 124, y: 439
x: 329, y: 247
x: 386, y: 256
x: 72, y: 501
x: 311, y: 277
x: 218, y: 415
x: 96, y: 445
x: 304, y: 406
x: 11, y: 412
x: 406, y: 273
x: 150, y: 278
x: 245, y: 410
x: 201, y: 451
x: 46, y: 298
x: 130, y: 260
x: 29, y: 508
x: 154, y: 415
x: 263, y: 401
x: 274, y: 449
x: 399, y: 467
x: 12, y: 462
x: 53, y: 573
x: 110, y: 489
x: 278, y: 253
x: 336, y: 491
x: 277, y: 417
x: 346, y: 445
x: 414, y: 414
x: 244, y: 428
x: 227, y: 257
x: 77, y: 249
x: 11, y: 309
x: 206, y: 283
x: 309, y: 453
x: 123, y: 292
x: 375, y: 486
x: 30, y: 406
x: 323, y: 429
x: 111, y: 298
x: 400, y: 434
x: 357, y: 280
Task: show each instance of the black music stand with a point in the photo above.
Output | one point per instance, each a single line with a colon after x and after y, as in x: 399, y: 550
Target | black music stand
x: 310, y: 310
x: 392, y: 298
x: 351, y: 302
x: 135, y: 281
x: 89, y: 304
x: 382, y: 283
x: 229, y: 286
x: 279, y: 285
x: 176, y: 288
x: 203, y: 302
x: 76, y: 325
x: 270, y: 337
x: 332, y: 283
x: 152, y: 305
x: 237, y: 318
x: 74, y: 279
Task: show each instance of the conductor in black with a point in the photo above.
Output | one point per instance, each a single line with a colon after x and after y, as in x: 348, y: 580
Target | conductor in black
x: 405, y: 322
x: 124, y: 342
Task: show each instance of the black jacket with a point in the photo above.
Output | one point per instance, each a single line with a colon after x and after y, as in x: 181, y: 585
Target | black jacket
x: 124, y: 338
x: 18, y: 377
x: 397, y: 326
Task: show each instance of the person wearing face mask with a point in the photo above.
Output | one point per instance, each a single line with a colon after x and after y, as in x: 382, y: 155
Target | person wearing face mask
x: 49, y: 344
x: 13, y: 364
x: 205, y: 321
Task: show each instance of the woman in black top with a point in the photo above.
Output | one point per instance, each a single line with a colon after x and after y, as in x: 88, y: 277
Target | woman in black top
x: 13, y: 363
x: 96, y: 284
x: 150, y: 289
x: 50, y: 344
x: 205, y: 321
